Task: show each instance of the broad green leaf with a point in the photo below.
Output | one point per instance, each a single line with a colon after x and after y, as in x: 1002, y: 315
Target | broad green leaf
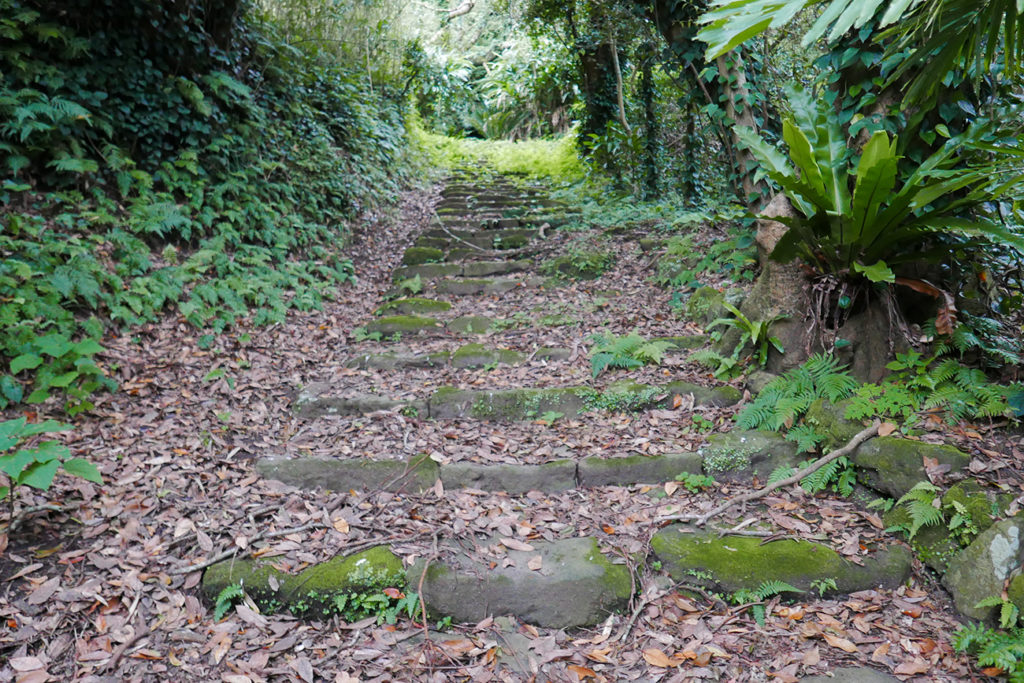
x: 38, y: 396
x: 12, y: 465
x: 876, y: 272
x: 39, y: 475
x: 55, y: 345
x: 80, y: 467
x: 49, y: 450
x: 876, y: 178
x: 43, y: 427
x: 88, y: 347
x: 11, y: 389
x: 64, y: 380
x: 26, y: 361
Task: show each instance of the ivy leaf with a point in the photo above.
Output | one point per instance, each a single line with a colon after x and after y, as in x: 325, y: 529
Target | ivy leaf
x: 80, y: 467
x: 26, y: 361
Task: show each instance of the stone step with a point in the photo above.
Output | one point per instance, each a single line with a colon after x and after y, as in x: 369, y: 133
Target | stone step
x: 416, y: 255
x: 465, y: 357
x: 507, y: 238
x: 484, y: 286
x: 474, y: 269
x: 319, y: 399
x: 419, y: 326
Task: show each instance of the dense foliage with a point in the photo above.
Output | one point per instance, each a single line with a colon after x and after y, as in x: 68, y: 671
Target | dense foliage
x: 174, y: 154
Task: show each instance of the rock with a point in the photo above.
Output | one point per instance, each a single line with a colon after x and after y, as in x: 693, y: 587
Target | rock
x: 735, y: 562
x: 427, y: 271
x: 738, y: 456
x: 758, y: 380
x: 434, y: 242
x: 469, y: 287
x: 705, y: 305
x: 636, y: 469
x: 404, y: 325
x: 507, y: 404
x: 893, y: 465
x: 334, y: 474
x: 312, y: 592
x: 478, y: 356
x: 649, y: 244
x: 470, y: 324
x: 512, y: 239
x: 853, y: 674
x: 315, y: 401
x: 485, y: 268
x: 413, y: 306
x: 575, y: 586
x: 415, y: 256
x: 828, y: 419
x: 579, y: 266
x: 392, y: 361
x: 559, y: 475
x: 551, y: 354
x: 719, y: 397
x: 684, y: 343
x: 981, y: 569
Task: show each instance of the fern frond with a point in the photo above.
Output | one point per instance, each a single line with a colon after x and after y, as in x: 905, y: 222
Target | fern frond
x: 805, y: 437
x: 772, y: 588
x: 225, y: 599
x: 653, y: 352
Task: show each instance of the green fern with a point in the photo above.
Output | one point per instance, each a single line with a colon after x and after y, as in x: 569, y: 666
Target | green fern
x: 720, y: 366
x: 920, y: 505
x: 1003, y: 649
x: 629, y: 352
x: 806, y: 438
x: 753, y: 598
x: 785, y: 399
x: 226, y: 599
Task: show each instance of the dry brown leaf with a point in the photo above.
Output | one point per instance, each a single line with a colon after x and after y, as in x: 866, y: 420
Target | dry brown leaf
x: 44, y: 591
x: 917, y: 665
x: 340, y: 525
x: 303, y: 667
x: 811, y: 657
x: 671, y: 487
x: 656, y: 657
x: 886, y: 428
x: 880, y: 653
x: 535, y: 563
x: 841, y: 643
x: 22, y: 664
x: 599, y: 656
x: 582, y: 672
x: 513, y: 544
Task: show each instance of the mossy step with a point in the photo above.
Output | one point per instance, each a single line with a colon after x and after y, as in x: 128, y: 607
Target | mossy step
x: 514, y: 238
x: 576, y: 585
x: 313, y: 592
x: 416, y: 474
x: 413, y: 306
x: 431, y: 271
x: 395, y: 361
x: 468, y: 356
x: 511, y: 404
x: 415, y: 256
x: 470, y: 324
x: 482, y: 286
x: 731, y: 563
x: 405, y: 325
x: 478, y: 356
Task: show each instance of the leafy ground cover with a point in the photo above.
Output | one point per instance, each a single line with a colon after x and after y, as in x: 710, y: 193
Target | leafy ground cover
x: 97, y: 579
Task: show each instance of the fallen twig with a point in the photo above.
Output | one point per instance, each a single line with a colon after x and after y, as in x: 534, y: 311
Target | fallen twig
x: 701, y: 520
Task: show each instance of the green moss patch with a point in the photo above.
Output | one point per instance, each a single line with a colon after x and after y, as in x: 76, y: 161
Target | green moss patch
x: 415, y: 256
x: 404, y: 324
x: 478, y: 356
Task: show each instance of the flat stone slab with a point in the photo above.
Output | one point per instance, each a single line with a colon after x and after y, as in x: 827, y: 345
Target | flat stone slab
x: 852, y: 674
x: 470, y: 324
x: 506, y: 404
x: 312, y: 592
x: 739, y: 455
x: 405, y: 325
x: 478, y: 356
x: 427, y: 271
x: 394, y: 361
x: 559, y: 475
x: 477, y: 286
x: 573, y: 584
x: 893, y: 465
x: 413, y: 306
x: 552, y: 354
x: 315, y: 401
x: 486, y: 268
x: 636, y: 469
x: 337, y: 474
x: 415, y: 256
x: 735, y: 562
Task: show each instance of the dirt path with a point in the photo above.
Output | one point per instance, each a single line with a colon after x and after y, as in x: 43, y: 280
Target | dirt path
x: 102, y: 591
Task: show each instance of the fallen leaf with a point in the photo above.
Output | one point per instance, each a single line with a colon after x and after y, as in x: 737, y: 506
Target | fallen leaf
x: 303, y: 667
x: 599, y: 656
x: 21, y: 664
x: 656, y: 657
x: 879, y: 655
x: 671, y: 487
x: 917, y: 665
x: 811, y: 657
x: 513, y: 544
x: 340, y: 525
x: 582, y: 672
x: 841, y: 643
x: 535, y: 562
x: 886, y: 428
x: 608, y: 529
x: 44, y: 591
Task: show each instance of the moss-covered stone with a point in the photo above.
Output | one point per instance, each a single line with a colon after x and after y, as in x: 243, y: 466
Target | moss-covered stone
x: 559, y: 475
x: 575, y: 586
x: 508, y: 404
x: 478, y: 356
x: 415, y: 256
x: 515, y: 240
x: 581, y: 265
x: 723, y: 396
x: 649, y: 244
x: 893, y: 465
x: 427, y: 271
x: 731, y: 563
x: 740, y: 455
x: 470, y: 324
x: 828, y: 419
x: 419, y: 473
x: 705, y: 305
x: 552, y: 354
x: 485, y: 268
x: 636, y: 469
x: 319, y: 399
x: 413, y: 306
x: 981, y: 569
x: 432, y: 242
x: 393, y: 361
x: 404, y: 325
x: 312, y: 592
x: 477, y: 286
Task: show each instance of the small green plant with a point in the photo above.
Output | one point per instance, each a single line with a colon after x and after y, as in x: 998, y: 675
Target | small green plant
x: 723, y: 367
x: 755, y: 332
x: 685, y: 263
x: 784, y: 400
x: 57, y: 363
x: 925, y: 383
x: 1009, y: 613
x: 226, y: 599
x: 824, y: 585
x: 360, y: 334
x: 410, y: 286
x: 550, y: 417
x: 838, y: 474
x: 925, y: 506
x: 695, y: 483
x: 994, y: 648
x: 631, y: 351
x: 754, y: 598
x: 37, y: 466
x: 579, y: 264
x: 386, y: 604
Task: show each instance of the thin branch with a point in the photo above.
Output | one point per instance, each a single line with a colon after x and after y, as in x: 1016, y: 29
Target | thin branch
x: 701, y: 520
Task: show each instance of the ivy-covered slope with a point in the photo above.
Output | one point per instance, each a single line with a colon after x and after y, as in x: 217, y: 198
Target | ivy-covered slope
x: 171, y: 153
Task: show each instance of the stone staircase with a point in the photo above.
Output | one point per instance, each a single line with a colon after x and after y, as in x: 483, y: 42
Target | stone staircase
x: 480, y: 351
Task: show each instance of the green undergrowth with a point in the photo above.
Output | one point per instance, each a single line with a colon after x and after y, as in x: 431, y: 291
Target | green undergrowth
x: 553, y: 159
x: 216, y: 179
